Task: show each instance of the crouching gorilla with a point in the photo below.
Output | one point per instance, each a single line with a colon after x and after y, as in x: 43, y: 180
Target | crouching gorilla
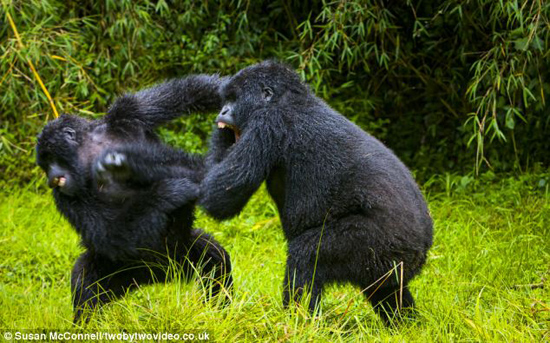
x: 350, y: 209
x: 130, y: 197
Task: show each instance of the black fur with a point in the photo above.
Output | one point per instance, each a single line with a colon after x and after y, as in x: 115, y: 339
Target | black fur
x: 350, y: 209
x: 130, y: 197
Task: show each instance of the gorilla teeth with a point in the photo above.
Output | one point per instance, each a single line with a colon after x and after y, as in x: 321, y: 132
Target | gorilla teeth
x: 222, y: 125
x: 61, y: 181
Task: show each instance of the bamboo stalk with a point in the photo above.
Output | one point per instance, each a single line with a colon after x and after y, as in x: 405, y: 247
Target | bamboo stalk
x: 31, y: 65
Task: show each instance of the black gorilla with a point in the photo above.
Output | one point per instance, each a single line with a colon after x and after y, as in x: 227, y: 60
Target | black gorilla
x: 350, y: 210
x: 130, y: 197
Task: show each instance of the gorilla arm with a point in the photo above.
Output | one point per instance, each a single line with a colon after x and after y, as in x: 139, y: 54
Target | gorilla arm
x: 229, y: 184
x: 146, y: 162
x: 172, y: 176
x: 166, y: 101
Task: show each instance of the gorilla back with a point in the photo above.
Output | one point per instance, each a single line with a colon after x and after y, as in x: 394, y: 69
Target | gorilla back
x: 350, y: 209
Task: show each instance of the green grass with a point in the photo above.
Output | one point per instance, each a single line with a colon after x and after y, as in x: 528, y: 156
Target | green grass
x: 491, y: 250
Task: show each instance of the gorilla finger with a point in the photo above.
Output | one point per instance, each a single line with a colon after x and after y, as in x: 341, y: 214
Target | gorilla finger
x: 114, y: 160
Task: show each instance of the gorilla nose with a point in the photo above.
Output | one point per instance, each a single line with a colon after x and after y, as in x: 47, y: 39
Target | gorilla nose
x: 226, y: 110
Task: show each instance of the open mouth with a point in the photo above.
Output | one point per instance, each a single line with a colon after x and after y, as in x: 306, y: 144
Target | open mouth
x: 236, y: 131
x: 59, y: 182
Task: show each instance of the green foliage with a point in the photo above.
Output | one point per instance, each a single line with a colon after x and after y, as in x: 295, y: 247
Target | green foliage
x: 449, y: 85
x: 442, y: 74
x: 486, y: 279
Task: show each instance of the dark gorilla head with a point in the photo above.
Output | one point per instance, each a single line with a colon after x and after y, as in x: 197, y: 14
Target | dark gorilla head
x: 57, y: 153
x: 256, y: 90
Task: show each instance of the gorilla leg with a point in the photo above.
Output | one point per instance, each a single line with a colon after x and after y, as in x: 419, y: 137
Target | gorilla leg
x: 350, y: 249
x: 300, y: 280
x: 212, y: 261
x: 303, y: 272
x: 390, y: 302
x: 96, y: 281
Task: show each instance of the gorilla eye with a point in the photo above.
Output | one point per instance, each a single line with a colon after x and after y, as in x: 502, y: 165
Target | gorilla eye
x: 69, y: 133
x: 268, y: 93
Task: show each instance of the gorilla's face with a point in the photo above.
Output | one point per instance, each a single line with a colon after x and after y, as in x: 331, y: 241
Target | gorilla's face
x: 238, y: 107
x: 241, y: 100
x: 257, y: 91
x: 57, y: 152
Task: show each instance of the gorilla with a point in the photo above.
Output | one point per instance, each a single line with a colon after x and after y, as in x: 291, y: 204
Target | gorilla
x: 130, y: 197
x: 350, y: 209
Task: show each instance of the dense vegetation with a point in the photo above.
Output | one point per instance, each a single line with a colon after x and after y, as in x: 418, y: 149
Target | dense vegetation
x: 449, y: 85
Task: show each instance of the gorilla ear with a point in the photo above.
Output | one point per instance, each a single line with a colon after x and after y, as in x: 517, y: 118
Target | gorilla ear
x: 268, y: 93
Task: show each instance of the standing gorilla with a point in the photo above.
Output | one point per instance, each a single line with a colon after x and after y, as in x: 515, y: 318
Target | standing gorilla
x: 350, y: 209
x: 130, y: 197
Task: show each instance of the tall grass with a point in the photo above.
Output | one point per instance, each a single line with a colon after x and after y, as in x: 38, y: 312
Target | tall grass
x: 486, y: 278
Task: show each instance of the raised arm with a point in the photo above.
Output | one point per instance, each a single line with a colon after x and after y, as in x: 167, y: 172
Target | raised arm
x: 166, y: 101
